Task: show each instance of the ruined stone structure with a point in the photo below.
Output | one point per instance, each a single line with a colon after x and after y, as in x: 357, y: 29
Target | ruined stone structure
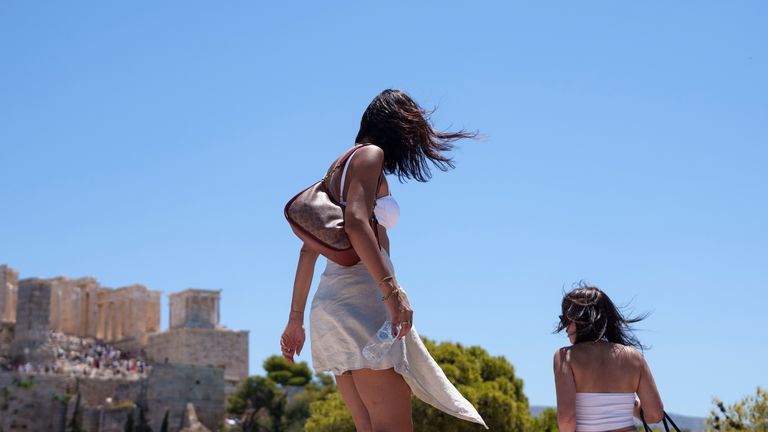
x: 194, y: 308
x: 172, y: 387
x: 123, y: 316
x: 105, y: 404
x: 196, y: 361
x: 9, y: 281
x: 83, y: 308
x: 73, y: 306
x: 127, y: 315
x: 33, y: 322
x: 196, y: 338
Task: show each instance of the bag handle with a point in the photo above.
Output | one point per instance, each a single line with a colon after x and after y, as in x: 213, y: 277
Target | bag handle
x: 339, y: 163
x: 342, y: 162
x: 664, y: 421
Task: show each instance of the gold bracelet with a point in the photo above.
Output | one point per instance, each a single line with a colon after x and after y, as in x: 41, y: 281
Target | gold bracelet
x: 396, y: 290
x: 386, y: 278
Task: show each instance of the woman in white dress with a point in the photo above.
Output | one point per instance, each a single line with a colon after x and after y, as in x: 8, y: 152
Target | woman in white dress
x: 602, y: 380
x: 352, y: 302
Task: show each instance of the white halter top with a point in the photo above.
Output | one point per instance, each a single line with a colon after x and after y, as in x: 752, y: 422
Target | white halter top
x: 386, y: 209
x: 596, y: 412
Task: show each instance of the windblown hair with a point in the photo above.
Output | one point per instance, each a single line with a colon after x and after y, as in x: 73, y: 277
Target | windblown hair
x: 399, y: 126
x: 596, y: 317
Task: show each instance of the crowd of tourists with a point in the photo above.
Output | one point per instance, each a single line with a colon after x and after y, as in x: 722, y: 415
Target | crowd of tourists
x: 85, y: 357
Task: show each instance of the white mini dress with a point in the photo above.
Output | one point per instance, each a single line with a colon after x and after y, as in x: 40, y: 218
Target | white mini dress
x: 346, y: 313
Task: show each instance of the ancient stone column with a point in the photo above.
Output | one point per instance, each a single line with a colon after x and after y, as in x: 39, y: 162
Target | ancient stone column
x: 9, y: 280
x: 100, y: 322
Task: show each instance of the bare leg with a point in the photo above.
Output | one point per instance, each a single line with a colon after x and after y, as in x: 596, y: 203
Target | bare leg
x: 387, y: 399
x: 354, y: 404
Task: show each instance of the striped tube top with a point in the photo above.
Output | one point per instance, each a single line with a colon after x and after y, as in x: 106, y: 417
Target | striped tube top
x: 599, y: 412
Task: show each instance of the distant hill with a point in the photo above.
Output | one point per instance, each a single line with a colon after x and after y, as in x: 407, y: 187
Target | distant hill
x: 693, y: 424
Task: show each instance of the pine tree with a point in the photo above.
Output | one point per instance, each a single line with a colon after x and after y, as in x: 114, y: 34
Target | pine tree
x: 74, y: 422
x: 130, y: 424
x: 164, y: 426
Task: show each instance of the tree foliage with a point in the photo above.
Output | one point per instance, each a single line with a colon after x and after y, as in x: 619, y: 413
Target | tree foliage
x: 329, y: 415
x: 164, y: 425
x: 130, y: 423
x: 749, y: 414
x: 277, y: 403
x: 285, y: 373
x: 74, y: 423
x: 545, y: 422
x: 488, y: 382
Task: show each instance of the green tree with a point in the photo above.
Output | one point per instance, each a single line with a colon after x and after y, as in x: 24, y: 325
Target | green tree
x: 164, y: 425
x: 74, y: 423
x: 285, y: 373
x: 329, y: 415
x: 265, y: 400
x: 130, y: 423
x: 280, y: 401
x: 751, y: 413
x: 299, y: 409
x: 143, y: 423
x: 488, y: 382
x: 545, y: 422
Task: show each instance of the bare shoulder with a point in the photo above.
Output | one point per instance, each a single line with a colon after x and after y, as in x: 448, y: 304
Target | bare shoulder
x: 563, y: 355
x: 369, y: 154
x: 630, y: 355
x: 631, y: 352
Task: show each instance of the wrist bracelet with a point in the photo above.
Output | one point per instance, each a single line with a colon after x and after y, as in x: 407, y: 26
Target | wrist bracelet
x: 386, y: 278
x: 394, y: 291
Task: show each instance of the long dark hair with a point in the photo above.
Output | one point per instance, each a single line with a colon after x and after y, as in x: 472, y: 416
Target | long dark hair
x: 399, y: 126
x: 596, y: 317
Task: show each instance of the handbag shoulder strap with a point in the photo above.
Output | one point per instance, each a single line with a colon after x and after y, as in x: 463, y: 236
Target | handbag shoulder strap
x: 343, y: 179
x: 338, y: 164
x: 344, y: 161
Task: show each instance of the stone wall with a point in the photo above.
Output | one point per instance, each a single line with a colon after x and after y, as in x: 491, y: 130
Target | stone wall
x: 6, y: 337
x: 223, y: 348
x: 114, y: 419
x: 33, y: 322
x: 9, y: 282
x: 170, y: 387
x: 95, y: 391
x: 31, y: 403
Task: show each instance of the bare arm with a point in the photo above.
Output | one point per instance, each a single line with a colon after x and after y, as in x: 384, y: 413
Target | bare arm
x: 292, y: 340
x: 650, y: 400
x: 362, y: 181
x: 565, y: 386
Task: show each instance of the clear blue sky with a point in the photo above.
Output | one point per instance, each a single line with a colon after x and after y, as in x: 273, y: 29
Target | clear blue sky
x: 625, y: 145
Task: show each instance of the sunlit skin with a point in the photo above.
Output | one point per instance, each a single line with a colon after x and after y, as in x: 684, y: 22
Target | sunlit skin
x: 602, y: 367
x: 378, y: 400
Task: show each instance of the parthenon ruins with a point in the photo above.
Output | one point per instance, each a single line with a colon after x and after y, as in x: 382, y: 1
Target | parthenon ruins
x: 76, y: 334
x: 127, y: 318
x: 83, y: 308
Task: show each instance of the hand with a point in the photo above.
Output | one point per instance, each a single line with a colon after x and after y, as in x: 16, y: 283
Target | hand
x: 401, y: 313
x: 636, y: 409
x: 292, y: 340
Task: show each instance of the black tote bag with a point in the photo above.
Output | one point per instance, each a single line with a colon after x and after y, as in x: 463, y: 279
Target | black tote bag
x: 664, y: 421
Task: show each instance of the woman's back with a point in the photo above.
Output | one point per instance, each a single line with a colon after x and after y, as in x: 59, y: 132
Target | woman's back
x: 598, y: 376
x: 605, y: 367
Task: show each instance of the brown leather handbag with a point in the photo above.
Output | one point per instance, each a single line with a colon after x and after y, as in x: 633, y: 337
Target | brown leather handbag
x: 317, y: 218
